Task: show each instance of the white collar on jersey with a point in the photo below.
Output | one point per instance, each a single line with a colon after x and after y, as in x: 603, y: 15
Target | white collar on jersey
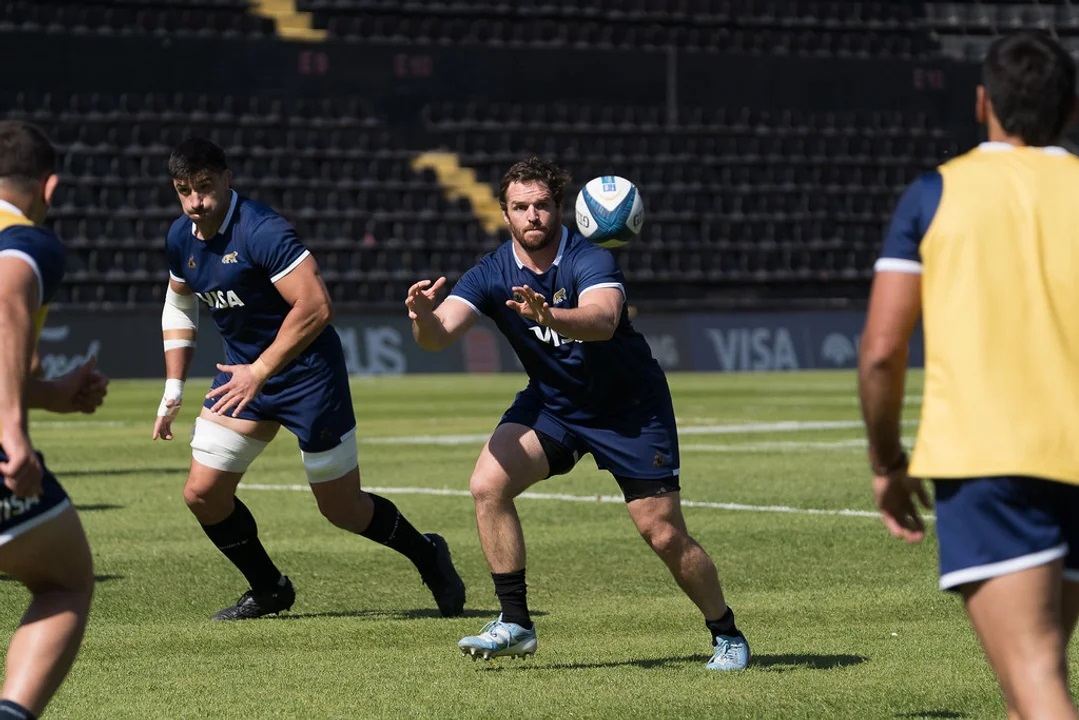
x: 1048, y: 149
x: 561, y: 249
x: 8, y: 207
x: 228, y: 217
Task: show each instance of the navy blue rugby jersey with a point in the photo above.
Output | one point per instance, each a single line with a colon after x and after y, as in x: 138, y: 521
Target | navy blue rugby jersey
x: 581, y: 381
x: 234, y: 273
x: 40, y: 249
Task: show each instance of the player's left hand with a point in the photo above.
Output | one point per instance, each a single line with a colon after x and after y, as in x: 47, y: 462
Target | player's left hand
x: 530, y: 304
x: 895, y: 495
x: 81, y: 390
x: 246, y: 382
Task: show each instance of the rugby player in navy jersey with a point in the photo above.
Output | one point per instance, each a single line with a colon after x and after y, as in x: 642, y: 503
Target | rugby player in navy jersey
x: 593, y: 388
x: 42, y: 543
x: 284, y: 366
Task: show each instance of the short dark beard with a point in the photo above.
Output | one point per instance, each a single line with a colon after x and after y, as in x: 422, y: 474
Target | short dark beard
x: 535, y: 247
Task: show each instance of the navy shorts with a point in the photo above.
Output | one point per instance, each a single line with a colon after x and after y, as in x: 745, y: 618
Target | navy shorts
x: 18, y: 515
x: 993, y: 526
x: 311, y: 399
x: 639, y: 448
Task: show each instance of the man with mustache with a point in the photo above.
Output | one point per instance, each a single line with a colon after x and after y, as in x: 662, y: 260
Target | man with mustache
x: 594, y: 387
x: 284, y: 367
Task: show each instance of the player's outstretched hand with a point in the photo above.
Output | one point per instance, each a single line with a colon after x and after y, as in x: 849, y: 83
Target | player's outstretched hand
x: 895, y: 495
x: 420, y: 300
x: 22, y: 470
x: 531, y: 304
x: 81, y: 390
x: 246, y: 382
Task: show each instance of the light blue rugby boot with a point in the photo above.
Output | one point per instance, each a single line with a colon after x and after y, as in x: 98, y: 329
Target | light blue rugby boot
x: 729, y: 652
x: 498, y: 639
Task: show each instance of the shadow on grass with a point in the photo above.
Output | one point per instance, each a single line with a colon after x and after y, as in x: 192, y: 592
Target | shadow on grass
x: 97, y: 578
x: 783, y: 663
x: 96, y: 507
x: 401, y: 614
x: 931, y: 714
x: 61, y: 474
x: 770, y: 663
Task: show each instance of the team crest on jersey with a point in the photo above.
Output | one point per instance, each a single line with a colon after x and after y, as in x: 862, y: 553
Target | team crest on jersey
x: 230, y: 258
x: 220, y: 299
x: 559, y: 296
x: 191, y: 262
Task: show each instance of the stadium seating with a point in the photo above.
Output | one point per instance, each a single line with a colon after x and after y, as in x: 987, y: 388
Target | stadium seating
x: 794, y: 27
x: 197, y: 18
x: 965, y: 29
x: 734, y: 197
x: 745, y: 203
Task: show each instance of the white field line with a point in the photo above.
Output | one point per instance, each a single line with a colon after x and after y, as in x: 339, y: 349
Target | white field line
x: 612, y: 499
x: 729, y: 429
x: 734, y: 429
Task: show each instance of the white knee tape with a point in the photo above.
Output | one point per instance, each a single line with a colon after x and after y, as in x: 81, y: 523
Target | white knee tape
x: 332, y: 464
x: 222, y: 448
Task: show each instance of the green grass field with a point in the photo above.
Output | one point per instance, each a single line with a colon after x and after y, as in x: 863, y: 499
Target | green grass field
x: 844, y: 622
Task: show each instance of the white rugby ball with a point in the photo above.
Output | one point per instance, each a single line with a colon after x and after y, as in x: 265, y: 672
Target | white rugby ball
x: 610, y: 211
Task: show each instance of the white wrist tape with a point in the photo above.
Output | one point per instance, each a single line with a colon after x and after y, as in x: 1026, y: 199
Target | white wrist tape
x: 174, y: 390
x: 181, y: 312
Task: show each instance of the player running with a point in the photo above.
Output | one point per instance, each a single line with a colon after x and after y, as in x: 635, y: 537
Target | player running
x: 985, y: 247
x: 42, y: 543
x: 593, y: 388
x: 284, y: 366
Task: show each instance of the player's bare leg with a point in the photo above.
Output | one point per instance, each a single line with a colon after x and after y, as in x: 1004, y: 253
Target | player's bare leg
x: 53, y: 561
x: 344, y: 503
x: 660, y: 522
x: 210, y: 494
x: 510, y: 462
x: 1018, y: 619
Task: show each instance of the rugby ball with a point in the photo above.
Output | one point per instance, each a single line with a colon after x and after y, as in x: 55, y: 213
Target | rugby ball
x: 610, y: 211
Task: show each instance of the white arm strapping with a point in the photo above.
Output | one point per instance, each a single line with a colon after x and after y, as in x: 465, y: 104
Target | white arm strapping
x: 181, y: 312
x: 174, y: 391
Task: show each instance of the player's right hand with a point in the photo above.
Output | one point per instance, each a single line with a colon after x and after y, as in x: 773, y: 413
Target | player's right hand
x: 895, y: 494
x: 169, y: 407
x: 420, y: 300
x: 22, y: 470
x: 163, y: 423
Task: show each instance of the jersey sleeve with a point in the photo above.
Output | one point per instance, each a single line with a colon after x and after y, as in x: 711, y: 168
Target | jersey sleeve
x: 42, y: 250
x: 174, y: 251
x: 598, y: 269
x: 275, y: 246
x: 913, y: 215
x: 471, y: 289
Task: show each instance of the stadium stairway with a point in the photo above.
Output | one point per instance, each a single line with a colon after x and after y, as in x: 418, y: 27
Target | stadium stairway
x: 460, y: 182
x: 291, y: 24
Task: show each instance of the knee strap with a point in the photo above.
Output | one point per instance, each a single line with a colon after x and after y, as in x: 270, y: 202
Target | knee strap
x: 223, y: 448
x: 334, y: 463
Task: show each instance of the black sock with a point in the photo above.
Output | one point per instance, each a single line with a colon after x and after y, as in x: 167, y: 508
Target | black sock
x: 237, y: 537
x: 11, y: 710
x: 390, y: 528
x: 512, y: 593
x: 723, y: 626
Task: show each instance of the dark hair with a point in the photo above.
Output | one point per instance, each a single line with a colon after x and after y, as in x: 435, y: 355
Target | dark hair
x: 26, y: 154
x: 1030, y: 80
x: 535, y: 169
x: 195, y: 155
